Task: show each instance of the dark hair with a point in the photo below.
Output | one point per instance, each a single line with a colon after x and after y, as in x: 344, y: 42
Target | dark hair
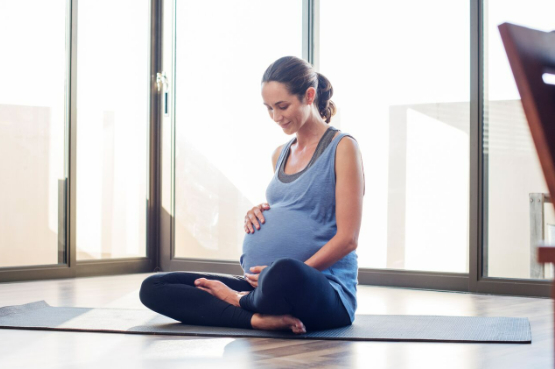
x: 298, y: 75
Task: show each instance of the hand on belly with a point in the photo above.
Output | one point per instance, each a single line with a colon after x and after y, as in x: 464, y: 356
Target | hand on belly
x: 254, y: 217
x: 253, y: 278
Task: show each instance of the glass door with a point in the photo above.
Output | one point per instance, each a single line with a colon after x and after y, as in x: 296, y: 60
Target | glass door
x: 32, y: 133
x: 112, y: 128
x: 221, y: 136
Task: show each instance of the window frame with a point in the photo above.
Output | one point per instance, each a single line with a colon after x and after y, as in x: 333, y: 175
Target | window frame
x: 160, y: 222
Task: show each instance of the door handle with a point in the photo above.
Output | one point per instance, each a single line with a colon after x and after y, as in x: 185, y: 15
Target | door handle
x: 162, y: 83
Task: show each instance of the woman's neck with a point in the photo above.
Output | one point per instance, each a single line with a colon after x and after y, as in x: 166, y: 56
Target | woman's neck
x: 310, y: 133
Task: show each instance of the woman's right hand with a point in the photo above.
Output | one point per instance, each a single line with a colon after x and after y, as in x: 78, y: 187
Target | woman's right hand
x: 254, y: 215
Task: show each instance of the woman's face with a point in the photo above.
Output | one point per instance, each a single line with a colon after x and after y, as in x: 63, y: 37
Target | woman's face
x: 286, y: 109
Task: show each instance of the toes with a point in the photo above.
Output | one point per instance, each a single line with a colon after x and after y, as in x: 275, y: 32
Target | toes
x: 201, y: 282
x: 298, y: 328
x: 297, y: 331
x: 295, y: 324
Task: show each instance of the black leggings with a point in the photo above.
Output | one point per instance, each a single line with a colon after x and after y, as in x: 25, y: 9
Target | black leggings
x: 286, y: 286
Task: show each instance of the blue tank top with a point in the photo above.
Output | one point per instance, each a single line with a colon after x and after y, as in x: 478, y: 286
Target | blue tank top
x: 301, y: 220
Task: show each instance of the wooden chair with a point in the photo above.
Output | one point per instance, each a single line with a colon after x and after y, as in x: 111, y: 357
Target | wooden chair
x: 531, y: 55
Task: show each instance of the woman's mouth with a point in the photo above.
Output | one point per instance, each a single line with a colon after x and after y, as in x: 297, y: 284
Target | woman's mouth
x: 285, y: 125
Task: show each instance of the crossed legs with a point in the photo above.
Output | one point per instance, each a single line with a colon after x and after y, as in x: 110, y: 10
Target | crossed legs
x: 289, y: 292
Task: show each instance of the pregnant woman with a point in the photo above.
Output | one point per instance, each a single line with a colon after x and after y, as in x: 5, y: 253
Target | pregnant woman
x: 299, y: 252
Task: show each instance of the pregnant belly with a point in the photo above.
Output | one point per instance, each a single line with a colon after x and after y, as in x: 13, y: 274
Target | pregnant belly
x: 285, y: 233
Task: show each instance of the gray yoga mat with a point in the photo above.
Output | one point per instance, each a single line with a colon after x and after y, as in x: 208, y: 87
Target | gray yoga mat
x: 39, y: 315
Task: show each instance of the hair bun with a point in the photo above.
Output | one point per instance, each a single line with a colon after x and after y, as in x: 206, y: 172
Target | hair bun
x: 326, y: 107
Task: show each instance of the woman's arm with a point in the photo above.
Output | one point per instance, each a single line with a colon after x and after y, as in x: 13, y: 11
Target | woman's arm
x: 349, y: 190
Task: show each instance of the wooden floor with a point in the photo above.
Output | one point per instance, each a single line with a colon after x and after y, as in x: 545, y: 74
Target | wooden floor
x: 43, y: 349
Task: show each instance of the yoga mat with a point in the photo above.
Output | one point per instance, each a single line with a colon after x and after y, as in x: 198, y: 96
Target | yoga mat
x: 428, y: 328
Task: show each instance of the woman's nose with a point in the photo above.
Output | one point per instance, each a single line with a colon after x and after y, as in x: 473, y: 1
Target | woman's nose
x: 277, y: 116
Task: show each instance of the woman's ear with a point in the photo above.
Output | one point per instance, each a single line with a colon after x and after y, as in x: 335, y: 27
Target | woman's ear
x: 310, y: 95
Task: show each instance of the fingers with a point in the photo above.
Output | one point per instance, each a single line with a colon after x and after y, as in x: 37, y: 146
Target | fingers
x: 253, y: 220
x: 253, y: 216
x: 264, y: 206
x: 254, y: 284
x: 248, y: 223
x: 258, y: 268
x: 258, y: 213
x: 252, y: 279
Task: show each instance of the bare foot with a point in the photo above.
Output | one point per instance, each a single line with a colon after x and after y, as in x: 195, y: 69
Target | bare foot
x: 220, y: 290
x: 258, y: 321
x: 277, y: 322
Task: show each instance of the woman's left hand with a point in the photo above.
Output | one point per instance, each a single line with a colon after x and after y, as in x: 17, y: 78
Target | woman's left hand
x: 253, y: 278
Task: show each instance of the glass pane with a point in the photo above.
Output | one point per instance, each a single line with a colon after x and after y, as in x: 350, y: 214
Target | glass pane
x: 112, y: 120
x: 401, y: 83
x: 32, y: 131
x: 224, y: 137
x: 513, y: 178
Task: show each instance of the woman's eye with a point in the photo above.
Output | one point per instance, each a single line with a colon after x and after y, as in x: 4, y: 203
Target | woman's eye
x: 279, y: 107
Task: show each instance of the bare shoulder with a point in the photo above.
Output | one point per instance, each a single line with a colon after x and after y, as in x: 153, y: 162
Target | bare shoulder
x: 348, y: 157
x: 348, y: 161
x: 348, y: 146
x: 275, y: 156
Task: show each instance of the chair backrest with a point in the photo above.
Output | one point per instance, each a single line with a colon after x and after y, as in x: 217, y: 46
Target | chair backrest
x: 531, y: 55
